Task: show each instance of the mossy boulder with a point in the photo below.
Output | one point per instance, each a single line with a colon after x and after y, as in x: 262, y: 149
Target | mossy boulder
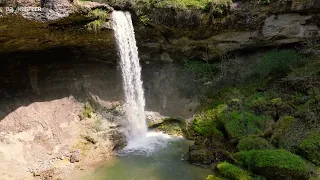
x: 233, y: 172
x: 284, y: 134
x: 172, y: 126
x: 213, y: 177
x: 208, y: 124
x: 310, y: 147
x: 251, y: 143
x: 275, y: 107
x: 274, y: 164
x: 200, y: 156
x: 240, y: 124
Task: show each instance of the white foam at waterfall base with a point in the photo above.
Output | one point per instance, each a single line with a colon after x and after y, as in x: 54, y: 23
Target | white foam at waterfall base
x: 147, y: 145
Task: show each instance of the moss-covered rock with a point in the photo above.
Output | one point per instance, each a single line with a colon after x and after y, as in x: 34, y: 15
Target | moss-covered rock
x: 241, y: 124
x: 275, y: 107
x: 310, y: 147
x: 213, y: 177
x: 172, y: 126
x: 200, y: 156
x: 273, y: 164
x: 251, y: 143
x: 282, y: 135
x: 233, y: 172
x: 207, y: 124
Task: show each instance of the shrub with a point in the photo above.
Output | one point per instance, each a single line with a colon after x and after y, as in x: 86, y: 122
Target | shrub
x: 88, y: 110
x: 94, y: 26
x: 99, y: 14
x: 310, y: 147
x: 279, y: 62
x: 221, y: 6
x: 233, y: 172
x: 196, y: 77
x: 144, y: 19
x: 273, y: 164
x: 250, y: 143
x: 240, y: 124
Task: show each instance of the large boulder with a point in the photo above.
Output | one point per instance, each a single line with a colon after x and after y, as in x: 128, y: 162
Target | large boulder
x: 310, y: 147
x: 274, y: 164
x: 154, y: 118
x: 199, y: 155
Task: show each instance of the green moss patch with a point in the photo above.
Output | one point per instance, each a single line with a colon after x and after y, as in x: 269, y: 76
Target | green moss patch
x: 251, y: 143
x: 283, y: 132
x: 231, y: 171
x: 213, y: 177
x: 240, y: 124
x: 310, y: 147
x: 171, y: 126
x: 87, y: 110
x: 274, y: 164
x: 208, y: 124
x: 279, y: 62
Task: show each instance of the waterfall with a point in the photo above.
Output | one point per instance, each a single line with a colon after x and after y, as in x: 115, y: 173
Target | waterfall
x: 131, y: 72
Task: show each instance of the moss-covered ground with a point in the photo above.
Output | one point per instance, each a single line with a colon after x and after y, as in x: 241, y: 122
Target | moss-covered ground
x: 267, y: 123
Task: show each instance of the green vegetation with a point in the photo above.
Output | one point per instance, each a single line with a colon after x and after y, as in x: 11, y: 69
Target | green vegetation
x: 144, y: 19
x: 281, y: 136
x: 274, y: 164
x: 213, y: 177
x: 279, y: 62
x: 231, y: 171
x: 208, y: 124
x: 100, y: 17
x: 240, y: 124
x: 220, y: 6
x: 216, y: 6
x: 88, y: 110
x: 99, y: 14
x: 94, y: 26
x: 172, y: 126
x: 268, y: 115
x: 310, y: 147
x: 183, y: 4
x: 251, y: 143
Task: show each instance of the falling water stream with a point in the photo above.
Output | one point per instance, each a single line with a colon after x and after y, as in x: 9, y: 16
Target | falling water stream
x: 148, y: 155
x: 131, y: 73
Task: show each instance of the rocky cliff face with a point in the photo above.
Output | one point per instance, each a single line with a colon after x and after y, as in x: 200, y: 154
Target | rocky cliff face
x: 165, y: 32
x: 201, y: 34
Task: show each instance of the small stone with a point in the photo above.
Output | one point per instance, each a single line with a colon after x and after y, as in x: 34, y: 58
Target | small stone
x: 75, y: 156
x: 36, y: 173
x: 91, y: 139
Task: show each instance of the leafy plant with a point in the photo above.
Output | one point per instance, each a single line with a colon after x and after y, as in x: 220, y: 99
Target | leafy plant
x: 144, y: 19
x: 88, y: 110
x: 279, y: 62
